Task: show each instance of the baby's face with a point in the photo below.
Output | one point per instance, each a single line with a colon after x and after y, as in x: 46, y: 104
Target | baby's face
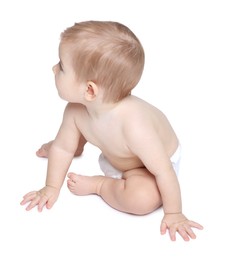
x: 65, y: 78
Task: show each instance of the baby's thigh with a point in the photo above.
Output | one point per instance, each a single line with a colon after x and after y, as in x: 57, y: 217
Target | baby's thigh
x: 142, y: 188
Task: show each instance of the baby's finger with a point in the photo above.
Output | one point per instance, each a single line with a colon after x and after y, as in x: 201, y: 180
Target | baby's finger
x: 33, y: 203
x: 190, y: 231
x: 42, y: 203
x: 50, y: 203
x: 172, y: 233
x: 28, y: 197
x: 29, y: 193
x: 195, y: 225
x: 163, y: 228
x: 183, y: 233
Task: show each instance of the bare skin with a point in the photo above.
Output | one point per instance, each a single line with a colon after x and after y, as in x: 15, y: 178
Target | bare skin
x: 135, y: 137
x: 43, y: 151
x: 127, y: 200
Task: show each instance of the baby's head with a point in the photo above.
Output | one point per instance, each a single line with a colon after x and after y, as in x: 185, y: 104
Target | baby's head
x: 106, y: 53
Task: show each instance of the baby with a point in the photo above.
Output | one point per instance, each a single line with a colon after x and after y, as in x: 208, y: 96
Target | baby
x: 100, y: 63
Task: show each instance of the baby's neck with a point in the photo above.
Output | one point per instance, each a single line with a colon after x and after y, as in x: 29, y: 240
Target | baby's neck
x: 96, y: 110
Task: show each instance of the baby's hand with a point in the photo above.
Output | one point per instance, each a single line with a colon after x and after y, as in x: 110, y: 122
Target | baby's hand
x: 46, y: 196
x: 177, y: 222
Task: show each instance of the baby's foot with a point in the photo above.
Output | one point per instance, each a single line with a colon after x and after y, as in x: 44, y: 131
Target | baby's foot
x: 84, y: 185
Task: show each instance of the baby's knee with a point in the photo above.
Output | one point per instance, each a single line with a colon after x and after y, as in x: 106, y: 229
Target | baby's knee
x: 146, y: 202
x: 143, y: 194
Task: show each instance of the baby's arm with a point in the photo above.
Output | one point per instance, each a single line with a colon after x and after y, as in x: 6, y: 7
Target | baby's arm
x: 174, y: 220
x: 146, y: 144
x: 60, y: 156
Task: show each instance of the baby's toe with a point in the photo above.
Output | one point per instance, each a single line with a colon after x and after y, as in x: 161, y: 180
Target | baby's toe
x: 73, y: 177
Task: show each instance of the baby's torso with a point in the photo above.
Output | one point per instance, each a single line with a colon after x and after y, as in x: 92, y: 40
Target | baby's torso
x: 107, y: 135
x: 108, y: 132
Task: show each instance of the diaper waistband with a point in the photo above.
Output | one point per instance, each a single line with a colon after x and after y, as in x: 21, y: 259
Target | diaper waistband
x: 176, y: 156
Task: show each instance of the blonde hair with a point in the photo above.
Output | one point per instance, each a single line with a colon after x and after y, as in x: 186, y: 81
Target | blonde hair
x: 107, y: 53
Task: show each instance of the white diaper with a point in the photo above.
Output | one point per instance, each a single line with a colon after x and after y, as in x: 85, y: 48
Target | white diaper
x: 175, y: 159
x: 112, y: 172
x: 108, y: 169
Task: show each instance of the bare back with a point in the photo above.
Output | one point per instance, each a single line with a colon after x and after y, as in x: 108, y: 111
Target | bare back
x: 108, y: 132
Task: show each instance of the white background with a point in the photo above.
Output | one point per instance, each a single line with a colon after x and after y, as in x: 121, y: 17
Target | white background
x: 188, y: 75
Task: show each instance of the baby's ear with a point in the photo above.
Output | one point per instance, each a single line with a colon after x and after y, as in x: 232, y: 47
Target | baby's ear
x: 91, y: 91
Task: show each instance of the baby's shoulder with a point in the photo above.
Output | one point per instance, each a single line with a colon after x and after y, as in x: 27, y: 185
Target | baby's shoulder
x: 139, y: 108
x: 74, y: 110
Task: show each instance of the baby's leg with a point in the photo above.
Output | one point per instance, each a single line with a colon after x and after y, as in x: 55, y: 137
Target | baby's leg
x: 137, y: 193
x: 44, y: 149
